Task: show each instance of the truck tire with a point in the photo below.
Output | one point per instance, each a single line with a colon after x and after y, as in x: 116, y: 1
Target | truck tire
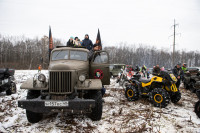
x: 32, y: 116
x: 159, y: 97
x: 176, y: 97
x: 96, y: 113
x: 131, y: 93
x: 12, y: 89
x: 197, y: 108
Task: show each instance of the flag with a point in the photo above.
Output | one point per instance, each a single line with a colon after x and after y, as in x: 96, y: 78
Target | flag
x: 50, y: 42
x: 98, y: 40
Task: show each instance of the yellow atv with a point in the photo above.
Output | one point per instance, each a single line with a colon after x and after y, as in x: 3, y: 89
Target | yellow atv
x: 160, y: 89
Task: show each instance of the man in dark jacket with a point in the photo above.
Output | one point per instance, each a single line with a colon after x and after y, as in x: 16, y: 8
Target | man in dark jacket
x: 91, y: 53
x: 70, y: 43
x: 87, y: 42
x: 178, y: 73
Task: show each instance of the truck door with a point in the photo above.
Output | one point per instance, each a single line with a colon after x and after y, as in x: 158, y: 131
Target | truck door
x: 99, y: 67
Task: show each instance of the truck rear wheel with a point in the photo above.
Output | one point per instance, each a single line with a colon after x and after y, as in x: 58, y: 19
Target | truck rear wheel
x: 159, y: 97
x: 197, y: 108
x: 96, y: 113
x: 32, y: 116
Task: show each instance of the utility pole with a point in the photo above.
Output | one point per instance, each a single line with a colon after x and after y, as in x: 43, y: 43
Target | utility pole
x: 174, y: 43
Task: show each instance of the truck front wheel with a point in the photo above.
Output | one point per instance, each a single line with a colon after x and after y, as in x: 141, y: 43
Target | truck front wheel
x: 32, y: 116
x: 197, y: 108
x: 96, y: 113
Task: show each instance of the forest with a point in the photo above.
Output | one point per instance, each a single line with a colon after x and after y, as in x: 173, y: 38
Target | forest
x: 25, y: 53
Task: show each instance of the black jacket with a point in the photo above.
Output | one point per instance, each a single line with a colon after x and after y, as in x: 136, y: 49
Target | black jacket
x: 90, y: 54
x: 178, y: 72
x: 70, y: 44
x: 87, y: 43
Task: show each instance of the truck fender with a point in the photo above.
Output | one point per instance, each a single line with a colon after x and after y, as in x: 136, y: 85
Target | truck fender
x: 28, y: 84
x: 89, y: 84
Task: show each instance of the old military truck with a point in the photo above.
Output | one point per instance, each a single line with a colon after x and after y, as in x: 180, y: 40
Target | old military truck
x: 74, y: 85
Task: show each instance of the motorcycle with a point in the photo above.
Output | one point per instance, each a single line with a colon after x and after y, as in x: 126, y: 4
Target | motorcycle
x: 123, y: 78
x: 7, y: 81
x: 160, y: 89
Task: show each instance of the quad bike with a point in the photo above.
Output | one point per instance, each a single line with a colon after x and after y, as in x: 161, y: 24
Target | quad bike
x: 160, y: 89
x: 197, y: 105
x: 7, y: 81
x: 192, y: 80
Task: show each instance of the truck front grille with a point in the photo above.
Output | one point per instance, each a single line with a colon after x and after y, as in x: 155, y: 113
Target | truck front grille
x: 60, y: 82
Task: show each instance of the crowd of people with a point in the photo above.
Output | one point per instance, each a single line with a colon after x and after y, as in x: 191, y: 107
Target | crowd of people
x: 86, y: 42
x: 178, y: 71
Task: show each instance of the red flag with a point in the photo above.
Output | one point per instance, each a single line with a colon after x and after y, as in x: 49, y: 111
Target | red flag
x: 98, y: 40
x: 50, y: 42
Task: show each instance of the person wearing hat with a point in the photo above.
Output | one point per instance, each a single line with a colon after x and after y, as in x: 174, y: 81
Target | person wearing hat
x: 184, y: 67
x: 87, y: 42
x: 77, y: 41
x: 70, y: 43
x: 91, y: 53
x: 178, y: 73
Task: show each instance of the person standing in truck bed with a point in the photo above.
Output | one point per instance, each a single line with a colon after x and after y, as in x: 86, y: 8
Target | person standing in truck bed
x: 87, y: 42
x: 70, y: 43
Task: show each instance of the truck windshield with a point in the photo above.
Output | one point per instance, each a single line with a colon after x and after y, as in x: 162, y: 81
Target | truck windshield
x: 78, y: 55
x: 60, y: 55
x: 74, y: 55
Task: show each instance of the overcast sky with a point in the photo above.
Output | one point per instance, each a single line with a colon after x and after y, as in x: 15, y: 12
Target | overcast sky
x: 132, y: 21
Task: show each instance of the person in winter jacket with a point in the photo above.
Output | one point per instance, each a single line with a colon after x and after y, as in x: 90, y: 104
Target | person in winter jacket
x: 156, y: 70
x: 143, y: 70
x: 91, y: 53
x: 76, y: 42
x: 87, y: 42
x: 184, y: 67
x: 70, y: 43
x: 178, y: 73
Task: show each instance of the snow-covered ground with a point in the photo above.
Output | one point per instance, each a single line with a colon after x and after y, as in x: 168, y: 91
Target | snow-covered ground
x: 119, y: 115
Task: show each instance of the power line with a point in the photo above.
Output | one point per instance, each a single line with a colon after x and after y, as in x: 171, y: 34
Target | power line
x: 174, y: 42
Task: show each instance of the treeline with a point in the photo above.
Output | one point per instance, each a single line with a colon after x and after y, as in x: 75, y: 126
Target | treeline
x: 151, y: 56
x: 25, y: 53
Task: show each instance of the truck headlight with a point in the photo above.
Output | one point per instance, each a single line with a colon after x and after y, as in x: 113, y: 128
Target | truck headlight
x: 82, y: 78
x: 41, y: 78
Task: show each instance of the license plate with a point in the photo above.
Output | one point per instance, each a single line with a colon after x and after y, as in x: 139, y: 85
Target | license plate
x: 56, y: 103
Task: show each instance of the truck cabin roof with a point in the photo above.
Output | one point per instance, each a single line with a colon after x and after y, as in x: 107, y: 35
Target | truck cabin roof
x: 71, y: 48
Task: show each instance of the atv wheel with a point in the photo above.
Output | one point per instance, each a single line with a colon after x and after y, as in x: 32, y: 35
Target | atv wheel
x: 159, y: 97
x: 131, y: 93
x: 176, y: 97
x: 32, y: 116
x: 186, y: 86
x: 192, y: 88
x: 12, y: 89
x: 197, y: 108
x: 97, y: 110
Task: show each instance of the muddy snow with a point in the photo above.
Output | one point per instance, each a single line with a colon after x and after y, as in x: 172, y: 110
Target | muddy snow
x: 119, y: 115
